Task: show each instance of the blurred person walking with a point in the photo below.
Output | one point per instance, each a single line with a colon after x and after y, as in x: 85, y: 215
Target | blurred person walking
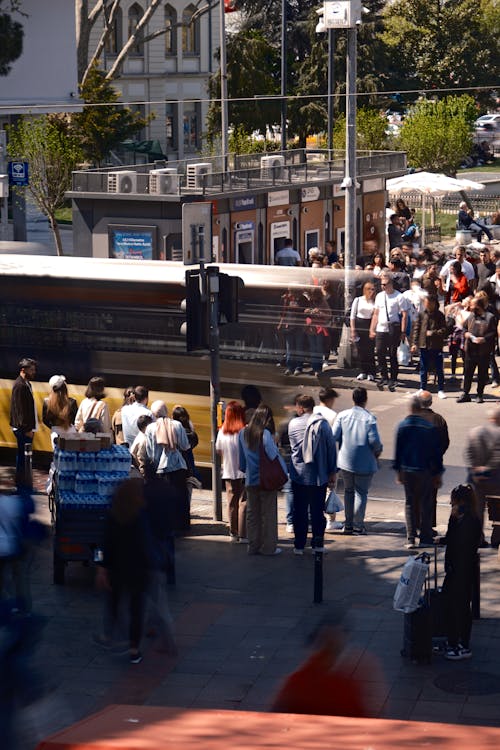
x: 227, y: 446
x: 482, y: 459
x: 123, y: 572
x: 388, y: 328
x: 480, y: 335
x: 262, y: 512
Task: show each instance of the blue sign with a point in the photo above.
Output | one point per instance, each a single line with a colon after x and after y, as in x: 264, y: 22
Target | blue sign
x: 132, y: 245
x: 18, y: 173
x: 243, y: 204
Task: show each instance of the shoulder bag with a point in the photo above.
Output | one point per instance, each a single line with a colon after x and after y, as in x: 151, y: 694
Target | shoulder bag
x: 272, y: 475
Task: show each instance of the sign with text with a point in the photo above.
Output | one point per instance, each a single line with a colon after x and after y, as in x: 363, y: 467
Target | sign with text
x: 19, y: 173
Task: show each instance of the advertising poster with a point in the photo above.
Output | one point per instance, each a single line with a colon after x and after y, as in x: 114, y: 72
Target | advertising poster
x: 132, y: 243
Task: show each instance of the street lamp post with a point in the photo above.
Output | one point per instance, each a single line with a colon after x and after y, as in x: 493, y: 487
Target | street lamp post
x: 346, y: 14
x: 283, y: 75
x: 223, y: 85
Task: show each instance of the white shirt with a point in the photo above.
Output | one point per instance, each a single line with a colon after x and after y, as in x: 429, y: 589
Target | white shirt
x: 130, y: 415
x: 287, y: 256
x: 228, y: 446
x: 362, y: 308
x: 467, y: 270
x: 394, y: 304
x: 326, y: 412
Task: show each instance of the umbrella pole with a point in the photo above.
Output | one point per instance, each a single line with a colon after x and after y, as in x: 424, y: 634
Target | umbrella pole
x: 423, y: 218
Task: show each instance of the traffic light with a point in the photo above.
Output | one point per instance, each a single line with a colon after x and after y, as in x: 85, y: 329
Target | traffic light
x: 229, y: 287
x: 197, y: 327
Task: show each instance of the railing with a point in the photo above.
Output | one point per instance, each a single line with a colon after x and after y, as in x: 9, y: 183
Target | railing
x: 246, y: 172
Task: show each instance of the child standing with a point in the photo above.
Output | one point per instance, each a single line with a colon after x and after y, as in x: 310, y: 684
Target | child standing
x: 462, y: 540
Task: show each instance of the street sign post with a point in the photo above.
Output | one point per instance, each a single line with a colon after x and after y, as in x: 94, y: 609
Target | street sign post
x: 19, y: 173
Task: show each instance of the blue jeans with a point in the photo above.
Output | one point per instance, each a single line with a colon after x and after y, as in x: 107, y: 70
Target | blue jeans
x: 308, y: 498
x: 294, y: 346
x: 316, y: 350
x: 426, y: 357
x: 22, y: 441
x: 288, y: 492
x: 356, y: 488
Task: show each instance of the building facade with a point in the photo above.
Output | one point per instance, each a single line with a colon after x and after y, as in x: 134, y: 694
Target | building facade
x: 168, y: 75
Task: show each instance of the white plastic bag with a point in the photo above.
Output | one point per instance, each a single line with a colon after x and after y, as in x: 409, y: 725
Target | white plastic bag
x: 333, y: 503
x: 409, y: 588
x: 404, y: 358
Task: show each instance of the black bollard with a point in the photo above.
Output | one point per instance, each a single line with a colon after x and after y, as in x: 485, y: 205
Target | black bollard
x: 318, y: 577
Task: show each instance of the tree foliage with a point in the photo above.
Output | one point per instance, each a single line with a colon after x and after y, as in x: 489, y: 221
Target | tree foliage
x: 53, y: 152
x: 102, y: 127
x: 442, y: 44
x: 11, y: 36
x: 437, y: 134
x: 370, y: 130
x: 259, y: 75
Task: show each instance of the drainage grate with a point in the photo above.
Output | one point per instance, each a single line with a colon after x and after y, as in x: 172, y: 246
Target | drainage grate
x: 468, y: 683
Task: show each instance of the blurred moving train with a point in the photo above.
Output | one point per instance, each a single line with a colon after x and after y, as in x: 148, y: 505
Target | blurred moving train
x: 122, y: 319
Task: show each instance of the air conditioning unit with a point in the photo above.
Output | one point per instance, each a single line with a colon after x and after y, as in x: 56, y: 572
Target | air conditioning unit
x: 122, y: 182
x: 164, y: 181
x: 272, y: 167
x: 194, y: 175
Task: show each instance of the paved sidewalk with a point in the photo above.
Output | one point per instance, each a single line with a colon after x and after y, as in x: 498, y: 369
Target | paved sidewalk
x: 242, y: 624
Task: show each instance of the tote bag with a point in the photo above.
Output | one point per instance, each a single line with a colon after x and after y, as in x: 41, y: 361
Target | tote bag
x: 409, y: 588
x: 272, y: 475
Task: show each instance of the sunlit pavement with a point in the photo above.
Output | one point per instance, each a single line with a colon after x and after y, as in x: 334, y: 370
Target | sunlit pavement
x: 241, y: 624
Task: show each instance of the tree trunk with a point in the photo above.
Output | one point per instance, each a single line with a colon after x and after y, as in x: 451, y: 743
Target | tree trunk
x: 82, y: 35
x: 57, y: 234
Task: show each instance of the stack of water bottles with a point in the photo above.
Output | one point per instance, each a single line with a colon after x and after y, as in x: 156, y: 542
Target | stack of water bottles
x: 90, y: 478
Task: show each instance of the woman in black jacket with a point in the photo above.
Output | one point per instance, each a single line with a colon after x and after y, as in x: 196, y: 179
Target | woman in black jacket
x: 462, y: 540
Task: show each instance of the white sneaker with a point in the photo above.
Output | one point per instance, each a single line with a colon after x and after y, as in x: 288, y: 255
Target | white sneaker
x: 361, y: 376
x: 330, y: 525
x: 298, y: 551
x: 370, y: 377
x: 289, y: 528
x: 419, y: 392
x: 441, y: 394
x: 325, y: 366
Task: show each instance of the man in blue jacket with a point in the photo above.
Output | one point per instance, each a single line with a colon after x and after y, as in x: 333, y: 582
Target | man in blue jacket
x: 419, y: 465
x: 313, y: 468
x: 356, y: 432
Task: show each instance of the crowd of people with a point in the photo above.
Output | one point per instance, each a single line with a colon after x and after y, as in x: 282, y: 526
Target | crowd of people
x: 415, y: 305
x: 304, y: 455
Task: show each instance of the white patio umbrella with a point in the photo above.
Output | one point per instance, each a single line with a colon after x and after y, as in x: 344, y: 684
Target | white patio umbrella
x: 430, y: 183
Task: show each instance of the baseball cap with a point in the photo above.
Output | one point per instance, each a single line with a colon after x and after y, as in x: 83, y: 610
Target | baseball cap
x: 56, y: 382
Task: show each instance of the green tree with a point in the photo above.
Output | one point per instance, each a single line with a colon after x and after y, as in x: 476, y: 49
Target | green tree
x: 442, y: 44
x: 52, y: 152
x: 437, y: 134
x: 259, y: 75
x: 370, y: 130
x: 11, y: 36
x: 101, y: 128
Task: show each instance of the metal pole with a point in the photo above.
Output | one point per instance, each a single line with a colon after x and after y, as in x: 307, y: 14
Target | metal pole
x: 331, y: 81
x: 213, y: 292
x: 283, y: 75
x: 345, y: 350
x: 223, y: 86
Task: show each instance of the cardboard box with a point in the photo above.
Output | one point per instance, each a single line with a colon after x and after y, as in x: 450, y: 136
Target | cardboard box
x: 105, y: 440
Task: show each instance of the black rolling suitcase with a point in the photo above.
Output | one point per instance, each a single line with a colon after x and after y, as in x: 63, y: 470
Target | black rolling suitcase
x: 438, y: 611
x: 417, y: 629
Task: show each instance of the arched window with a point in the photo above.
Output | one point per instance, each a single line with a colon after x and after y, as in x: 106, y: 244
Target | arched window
x: 114, y: 41
x: 171, y: 33
x: 190, y: 32
x: 134, y: 16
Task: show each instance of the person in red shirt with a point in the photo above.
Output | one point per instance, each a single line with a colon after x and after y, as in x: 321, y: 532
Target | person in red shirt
x: 324, y: 684
x: 459, y: 287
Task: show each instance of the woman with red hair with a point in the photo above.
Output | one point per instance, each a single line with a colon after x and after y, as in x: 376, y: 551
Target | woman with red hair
x: 227, y: 447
